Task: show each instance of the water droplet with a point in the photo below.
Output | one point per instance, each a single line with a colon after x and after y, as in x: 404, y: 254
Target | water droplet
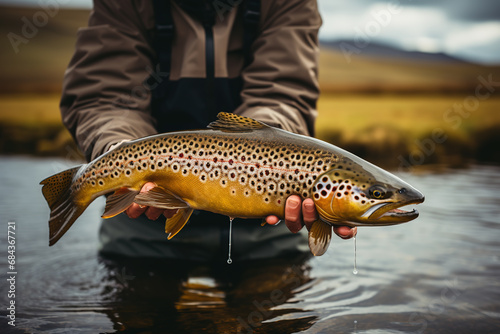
x: 355, y: 270
x: 229, y: 260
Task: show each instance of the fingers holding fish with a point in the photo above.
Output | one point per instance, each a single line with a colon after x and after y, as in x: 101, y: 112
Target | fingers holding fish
x: 169, y: 213
x: 272, y: 220
x: 236, y: 161
x: 135, y: 210
x: 345, y: 232
x: 309, y: 213
x: 293, y: 214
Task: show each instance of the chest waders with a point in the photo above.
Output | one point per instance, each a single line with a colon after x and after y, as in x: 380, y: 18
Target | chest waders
x: 192, y: 103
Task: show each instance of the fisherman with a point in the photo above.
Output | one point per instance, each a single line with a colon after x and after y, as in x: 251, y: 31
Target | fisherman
x: 147, y: 67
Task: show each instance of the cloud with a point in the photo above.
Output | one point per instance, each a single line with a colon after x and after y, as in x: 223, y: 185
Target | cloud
x: 461, y: 28
x: 478, y: 41
x: 462, y: 10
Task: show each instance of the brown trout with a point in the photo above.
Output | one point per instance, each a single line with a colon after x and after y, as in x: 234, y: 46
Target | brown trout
x: 238, y: 167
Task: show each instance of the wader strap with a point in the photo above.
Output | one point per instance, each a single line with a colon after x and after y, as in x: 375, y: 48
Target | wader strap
x: 165, y: 31
x: 208, y: 25
x: 164, y: 34
x: 251, y: 19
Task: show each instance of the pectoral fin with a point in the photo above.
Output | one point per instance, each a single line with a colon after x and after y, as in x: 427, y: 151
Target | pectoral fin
x: 319, y: 237
x: 177, y: 222
x: 159, y: 197
x: 119, y: 202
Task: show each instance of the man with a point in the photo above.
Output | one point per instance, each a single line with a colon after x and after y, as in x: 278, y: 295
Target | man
x: 144, y: 67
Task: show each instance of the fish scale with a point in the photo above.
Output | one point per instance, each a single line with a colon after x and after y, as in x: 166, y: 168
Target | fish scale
x: 228, y: 165
x: 238, y: 167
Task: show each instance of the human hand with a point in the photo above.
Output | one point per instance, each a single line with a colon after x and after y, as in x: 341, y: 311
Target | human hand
x: 299, y: 213
x: 135, y: 210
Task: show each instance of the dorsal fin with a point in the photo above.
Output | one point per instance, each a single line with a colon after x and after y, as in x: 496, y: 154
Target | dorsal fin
x: 234, y: 123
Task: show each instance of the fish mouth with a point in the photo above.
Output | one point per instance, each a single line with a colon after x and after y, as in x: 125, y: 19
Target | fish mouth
x: 391, y: 212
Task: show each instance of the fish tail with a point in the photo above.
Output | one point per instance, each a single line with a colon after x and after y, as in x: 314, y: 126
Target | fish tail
x: 64, y: 210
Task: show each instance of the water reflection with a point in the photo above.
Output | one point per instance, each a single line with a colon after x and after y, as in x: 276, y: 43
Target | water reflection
x: 179, y: 297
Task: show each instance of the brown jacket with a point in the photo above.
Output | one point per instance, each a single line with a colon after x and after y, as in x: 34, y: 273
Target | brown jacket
x: 105, y: 99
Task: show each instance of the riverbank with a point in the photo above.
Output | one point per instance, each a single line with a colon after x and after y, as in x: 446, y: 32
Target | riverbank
x: 412, y: 130
x: 390, y: 130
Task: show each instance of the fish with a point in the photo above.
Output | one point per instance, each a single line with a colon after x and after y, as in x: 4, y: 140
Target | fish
x: 238, y: 167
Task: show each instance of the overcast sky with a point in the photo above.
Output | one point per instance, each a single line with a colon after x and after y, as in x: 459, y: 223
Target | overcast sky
x: 465, y: 28
x: 468, y: 29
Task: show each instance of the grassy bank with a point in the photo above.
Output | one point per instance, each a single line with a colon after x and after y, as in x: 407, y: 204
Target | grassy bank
x: 419, y: 129
x: 386, y: 129
x: 31, y: 124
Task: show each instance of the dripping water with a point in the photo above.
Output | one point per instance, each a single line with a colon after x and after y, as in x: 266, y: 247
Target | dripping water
x: 355, y: 270
x: 229, y: 260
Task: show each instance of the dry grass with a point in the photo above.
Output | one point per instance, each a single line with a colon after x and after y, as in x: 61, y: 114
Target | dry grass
x: 383, y: 128
x: 414, y: 115
x: 30, y: 109
x: 379, y: 128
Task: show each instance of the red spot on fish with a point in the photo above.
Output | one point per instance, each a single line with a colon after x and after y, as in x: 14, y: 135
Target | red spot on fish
x: 242, y: 158
x: 181, y: 155
x: 230, y: 161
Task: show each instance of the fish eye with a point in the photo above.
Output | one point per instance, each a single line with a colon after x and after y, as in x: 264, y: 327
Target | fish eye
x: 377, y: 192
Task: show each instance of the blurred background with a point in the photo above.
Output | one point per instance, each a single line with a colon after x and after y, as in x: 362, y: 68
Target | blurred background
x: 413, y: 86
x: 392, y: 74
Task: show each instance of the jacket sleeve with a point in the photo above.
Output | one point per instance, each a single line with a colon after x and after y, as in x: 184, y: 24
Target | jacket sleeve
x: 281, y: 83
x: 106, y: 98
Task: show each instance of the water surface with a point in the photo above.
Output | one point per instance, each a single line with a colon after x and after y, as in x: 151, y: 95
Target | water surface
x: 438, y: 274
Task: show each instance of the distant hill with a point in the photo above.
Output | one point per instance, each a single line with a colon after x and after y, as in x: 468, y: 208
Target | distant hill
x: 379, y: 50
x: 39, y: 64
x: 378, y: 68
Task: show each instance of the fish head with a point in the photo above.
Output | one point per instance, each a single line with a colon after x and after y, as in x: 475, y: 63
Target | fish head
x: 363, y: 195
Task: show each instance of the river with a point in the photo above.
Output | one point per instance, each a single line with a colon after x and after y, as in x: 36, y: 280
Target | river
x: 437, y: 274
